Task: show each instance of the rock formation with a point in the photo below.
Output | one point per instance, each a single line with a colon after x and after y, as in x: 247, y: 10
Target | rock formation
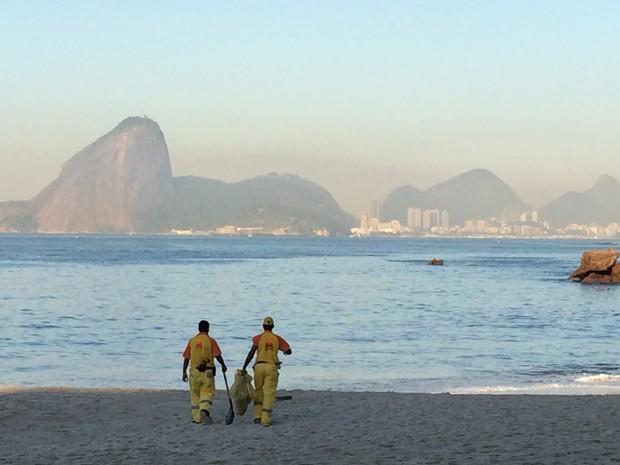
x: 122, y: 184
x: 598, y: 266
x: 119, y: 183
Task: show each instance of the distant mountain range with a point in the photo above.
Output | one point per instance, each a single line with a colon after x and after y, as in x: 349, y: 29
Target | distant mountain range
x: 479, y: 194
x: 599, y: 205
x: 270, y: 202
x: 122, y: 183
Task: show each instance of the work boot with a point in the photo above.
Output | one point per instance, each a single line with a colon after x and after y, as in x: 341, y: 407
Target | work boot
x: 206, y: 417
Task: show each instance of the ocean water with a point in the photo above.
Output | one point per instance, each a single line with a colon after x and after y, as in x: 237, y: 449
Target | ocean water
x: 363, y: 314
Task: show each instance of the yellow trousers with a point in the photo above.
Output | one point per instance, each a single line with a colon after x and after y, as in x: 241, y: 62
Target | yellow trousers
x: 266, y: 381
x: 201, y: 392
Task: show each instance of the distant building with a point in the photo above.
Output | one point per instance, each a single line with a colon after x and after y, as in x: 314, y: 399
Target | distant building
x: 414, y: 218
x: 430, y: 219
x: 374, y: 209
x: 445, y: 220
x: 228, y: 229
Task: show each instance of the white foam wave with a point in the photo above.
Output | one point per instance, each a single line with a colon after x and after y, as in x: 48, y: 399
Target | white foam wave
x: 598, y: 378
x: 601, y: 384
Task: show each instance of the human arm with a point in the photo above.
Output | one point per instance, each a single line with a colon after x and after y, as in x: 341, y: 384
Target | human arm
x: 284, y: 346
x: 221, y: 360
x: 217, y: 353
x: 185, y: 365
x: 249, y: 357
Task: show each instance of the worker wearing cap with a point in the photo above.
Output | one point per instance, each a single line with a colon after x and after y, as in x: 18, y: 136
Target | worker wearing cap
x: 266, y: 346
x: 199, y: 355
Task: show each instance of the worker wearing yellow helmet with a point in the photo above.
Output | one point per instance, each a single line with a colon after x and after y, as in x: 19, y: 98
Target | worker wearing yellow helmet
x: 266, y: 346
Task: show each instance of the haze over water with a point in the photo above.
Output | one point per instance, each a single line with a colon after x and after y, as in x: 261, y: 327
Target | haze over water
x: 360, y: 314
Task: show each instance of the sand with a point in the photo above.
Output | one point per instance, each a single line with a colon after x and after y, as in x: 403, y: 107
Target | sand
x: 120, y: 426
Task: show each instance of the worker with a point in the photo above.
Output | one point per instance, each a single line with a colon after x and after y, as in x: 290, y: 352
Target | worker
x: 266, y: 346
x: 199, y: 356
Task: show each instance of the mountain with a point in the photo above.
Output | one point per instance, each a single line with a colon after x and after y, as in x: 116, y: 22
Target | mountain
x: 271, y: 202
x: 117, y: 184
x: 123, y: 183
x: 600, y: 205
x: 17, y: 216
x: 476, y: 194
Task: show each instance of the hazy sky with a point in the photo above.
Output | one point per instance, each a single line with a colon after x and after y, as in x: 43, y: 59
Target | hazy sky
x: 357, y: 96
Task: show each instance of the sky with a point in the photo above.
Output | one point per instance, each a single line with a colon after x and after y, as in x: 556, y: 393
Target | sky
x: 357, y: 96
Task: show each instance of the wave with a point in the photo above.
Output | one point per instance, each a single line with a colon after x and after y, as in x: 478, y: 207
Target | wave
x: 590, y: 384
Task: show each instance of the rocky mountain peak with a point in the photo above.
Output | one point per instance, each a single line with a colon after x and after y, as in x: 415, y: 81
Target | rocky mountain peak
x: 606, y: 181
x: 116, y: 184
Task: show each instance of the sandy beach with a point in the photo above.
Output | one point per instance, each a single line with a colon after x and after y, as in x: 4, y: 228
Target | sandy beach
x: 122, y: 426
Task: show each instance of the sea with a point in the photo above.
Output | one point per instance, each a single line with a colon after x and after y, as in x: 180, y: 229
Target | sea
x: 361, y: 314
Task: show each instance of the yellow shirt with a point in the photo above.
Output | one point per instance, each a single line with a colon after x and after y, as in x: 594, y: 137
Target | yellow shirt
x: 268, y: 344
x: 201, y: 348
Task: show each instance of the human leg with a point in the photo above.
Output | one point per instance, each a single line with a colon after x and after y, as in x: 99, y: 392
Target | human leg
x: 194, y: 394
x: 259, y: 378
x: 207, y: 394
x: 270, y: 387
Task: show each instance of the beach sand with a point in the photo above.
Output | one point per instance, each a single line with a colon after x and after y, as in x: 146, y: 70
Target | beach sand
x: 121, y: 426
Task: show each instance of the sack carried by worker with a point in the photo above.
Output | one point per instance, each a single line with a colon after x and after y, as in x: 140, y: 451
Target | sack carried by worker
x: 242, y: 392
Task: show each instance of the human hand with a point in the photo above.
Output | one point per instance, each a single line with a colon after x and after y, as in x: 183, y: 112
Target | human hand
x: 184, y: 378
x: 224, y: 368
x: 288, y: 352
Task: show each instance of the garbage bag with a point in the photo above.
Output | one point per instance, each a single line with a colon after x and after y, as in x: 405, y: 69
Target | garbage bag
x: 242, y: 392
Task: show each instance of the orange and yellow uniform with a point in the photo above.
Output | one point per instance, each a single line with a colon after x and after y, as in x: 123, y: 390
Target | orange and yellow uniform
x: 266, y: 373
x: 201, y: 350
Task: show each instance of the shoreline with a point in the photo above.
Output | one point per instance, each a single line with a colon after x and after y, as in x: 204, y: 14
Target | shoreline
x: 145, y: 426
x: 545, y: 389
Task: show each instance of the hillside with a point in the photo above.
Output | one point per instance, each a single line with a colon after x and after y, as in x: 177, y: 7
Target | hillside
x: 122, y: 184
x: 269, y: 202
x: 477, y: 194
x: 599, y: 205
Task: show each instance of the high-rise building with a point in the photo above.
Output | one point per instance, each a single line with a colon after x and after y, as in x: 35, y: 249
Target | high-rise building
x: 430, y: 219
x: 374, y: 209
x: 414, y: 218
x: 445, y: 220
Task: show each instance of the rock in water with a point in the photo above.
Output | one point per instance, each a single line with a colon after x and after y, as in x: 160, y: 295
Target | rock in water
x: 598, y: 266
x: 118, y: 184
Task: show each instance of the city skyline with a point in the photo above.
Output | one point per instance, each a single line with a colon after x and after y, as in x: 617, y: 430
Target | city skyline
x: 436, y: 222
x: 358, y: 97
